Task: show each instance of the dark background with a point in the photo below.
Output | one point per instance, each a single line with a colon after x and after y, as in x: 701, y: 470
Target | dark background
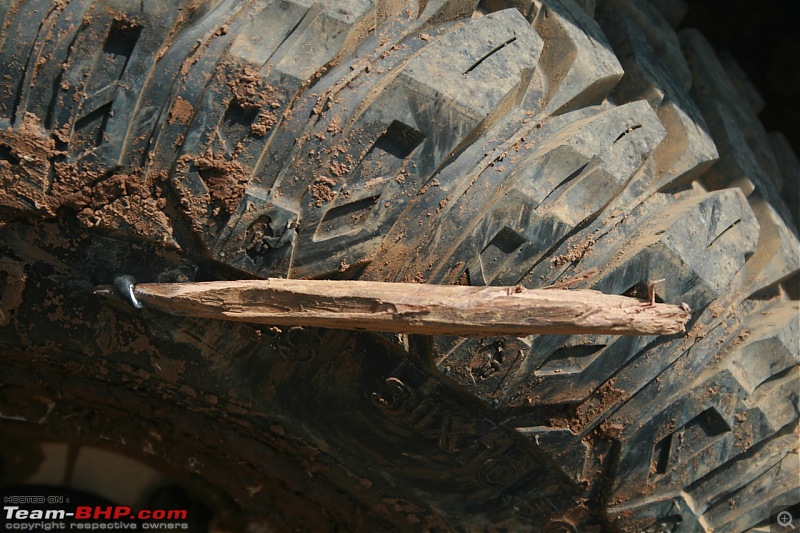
x: 764, y: 38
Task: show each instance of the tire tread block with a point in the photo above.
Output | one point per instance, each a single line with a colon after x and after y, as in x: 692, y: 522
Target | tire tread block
x: 746, y: 158
x: 649, y: 75
x: 580, y: 67
x: 580, y: 161
x: 365, y: 164
x: 737, y: 399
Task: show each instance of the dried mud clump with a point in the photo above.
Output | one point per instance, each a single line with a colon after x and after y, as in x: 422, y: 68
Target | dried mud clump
x: 224, y: 182
x: 322, y: 190
x: 124, y: 201
x: 576, y: 252
x: 36, y: 179
x: 251, y: 94
x: 128, y: 202
x: 265, y: 121
x: 577, y: 417
x: 25, y: 162
x: 180, y: 111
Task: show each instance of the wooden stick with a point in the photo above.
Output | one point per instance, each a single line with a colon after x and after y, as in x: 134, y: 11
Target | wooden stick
x: 415, y: 308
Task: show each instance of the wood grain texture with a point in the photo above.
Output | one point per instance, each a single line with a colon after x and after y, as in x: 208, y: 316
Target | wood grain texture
x: 415, y: 308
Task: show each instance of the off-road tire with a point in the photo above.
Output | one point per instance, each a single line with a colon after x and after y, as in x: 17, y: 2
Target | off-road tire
x: 493, y: 142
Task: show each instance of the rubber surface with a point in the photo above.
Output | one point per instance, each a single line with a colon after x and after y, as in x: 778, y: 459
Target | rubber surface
x: 449, y: 142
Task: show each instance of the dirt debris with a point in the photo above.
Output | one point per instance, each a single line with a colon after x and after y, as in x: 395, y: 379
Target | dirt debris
x: 575, y: 252
x: 322, y: 190
x: 224, y: 178
x: 127, y: 201
x: 116, y: 200
x: 265, y: 122
x: 334, y: 125
x: 250, y: 91
x: 339, y: 169
x: 180, y: 111
x: 577, y: 417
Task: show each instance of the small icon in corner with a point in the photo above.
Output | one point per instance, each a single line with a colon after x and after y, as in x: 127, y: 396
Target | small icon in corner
x: 785, y: 520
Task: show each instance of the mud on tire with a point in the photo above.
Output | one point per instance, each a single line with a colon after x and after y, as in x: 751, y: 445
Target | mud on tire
x: 492, y: 142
